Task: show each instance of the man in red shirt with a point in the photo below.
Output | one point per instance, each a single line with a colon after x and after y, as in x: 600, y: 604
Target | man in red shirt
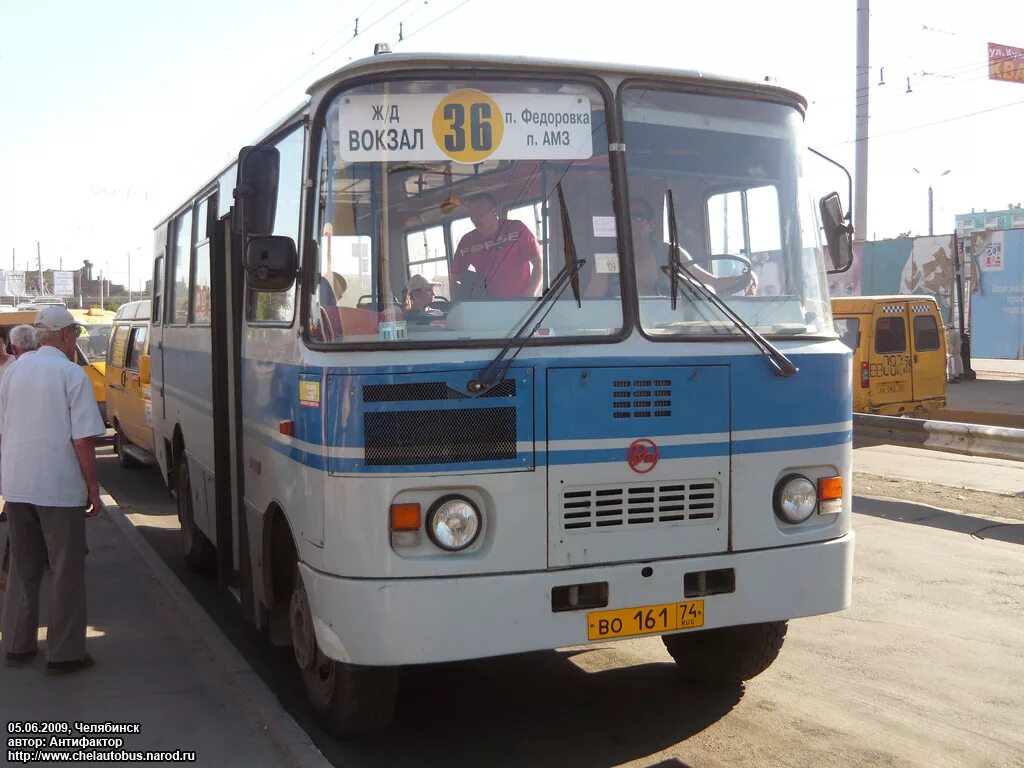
x: 503, y: 254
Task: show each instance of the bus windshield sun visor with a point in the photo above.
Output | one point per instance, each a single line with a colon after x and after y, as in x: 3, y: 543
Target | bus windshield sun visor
x: 682, y: 277
x: 495, y: 372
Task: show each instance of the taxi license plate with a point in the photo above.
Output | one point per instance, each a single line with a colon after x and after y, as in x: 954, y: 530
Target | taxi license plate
x: 645, y: 620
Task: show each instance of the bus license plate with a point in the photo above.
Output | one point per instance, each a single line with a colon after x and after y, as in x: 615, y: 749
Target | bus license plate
x: 645, y: 620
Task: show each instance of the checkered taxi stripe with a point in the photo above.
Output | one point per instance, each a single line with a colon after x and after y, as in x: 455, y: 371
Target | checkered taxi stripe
x: 896, y: 309
x: 920, y: 308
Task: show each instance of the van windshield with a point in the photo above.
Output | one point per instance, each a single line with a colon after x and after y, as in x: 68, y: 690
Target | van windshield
x: 94, y: 340
x: 746, y: 226
x: 438, y: 212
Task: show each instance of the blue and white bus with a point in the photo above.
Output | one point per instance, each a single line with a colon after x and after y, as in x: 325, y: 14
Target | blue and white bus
x: 623, y: 411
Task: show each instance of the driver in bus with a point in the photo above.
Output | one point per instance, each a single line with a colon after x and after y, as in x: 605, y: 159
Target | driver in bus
x: 503, y: 253
x: 650, y: 254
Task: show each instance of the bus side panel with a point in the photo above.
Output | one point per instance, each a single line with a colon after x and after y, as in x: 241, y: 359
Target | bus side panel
x: 188, y: 391
x: 280, y: 469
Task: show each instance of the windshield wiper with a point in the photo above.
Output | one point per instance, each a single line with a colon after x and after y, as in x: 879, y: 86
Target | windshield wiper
x: 681, y: 275
x: 495, y: 372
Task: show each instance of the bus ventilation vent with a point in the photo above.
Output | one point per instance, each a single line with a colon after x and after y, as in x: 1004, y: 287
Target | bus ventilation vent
x: 428, y: 390
x: 641, y: 398
x: 647, y: 504
x: 403, y: 438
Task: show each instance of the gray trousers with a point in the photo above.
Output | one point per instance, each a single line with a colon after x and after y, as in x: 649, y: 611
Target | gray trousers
x: 35, y: 532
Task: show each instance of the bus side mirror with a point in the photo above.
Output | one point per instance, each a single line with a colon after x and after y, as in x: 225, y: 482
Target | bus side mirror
x: 256, y: 191
x: 838, y: 236
x: 271, y: 263
x: 144, y: 369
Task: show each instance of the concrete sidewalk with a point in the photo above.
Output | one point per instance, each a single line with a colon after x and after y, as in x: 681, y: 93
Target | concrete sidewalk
x: 161, y: 663
x: 996, y: 397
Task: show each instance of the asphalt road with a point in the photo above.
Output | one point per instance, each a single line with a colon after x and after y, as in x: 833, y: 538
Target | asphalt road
x: 925, y: 669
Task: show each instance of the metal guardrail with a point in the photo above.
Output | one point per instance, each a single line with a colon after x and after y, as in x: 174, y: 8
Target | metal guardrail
x: 970, y: 439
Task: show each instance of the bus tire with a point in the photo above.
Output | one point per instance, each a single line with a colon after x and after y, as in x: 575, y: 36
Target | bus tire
x: 126, y: 461
x: 727, y: 655
x: 352, y: 700
x: 200, y: 554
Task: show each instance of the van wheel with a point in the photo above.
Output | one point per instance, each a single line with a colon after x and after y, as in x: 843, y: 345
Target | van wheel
x: 728, y: 655
x: 351, y: 699
x: 126, y: 461
x: 200, y: 554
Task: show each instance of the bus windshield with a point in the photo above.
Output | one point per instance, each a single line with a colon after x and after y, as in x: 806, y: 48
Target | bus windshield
x: 438, y: 212
x: 745, y: 227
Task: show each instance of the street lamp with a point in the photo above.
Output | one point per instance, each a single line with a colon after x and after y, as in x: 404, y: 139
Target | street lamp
x: 931, y: 206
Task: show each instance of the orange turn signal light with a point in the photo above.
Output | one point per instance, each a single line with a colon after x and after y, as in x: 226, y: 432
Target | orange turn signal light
x: 405, y: 517
x: 830, y: 488
x: 286, y: 427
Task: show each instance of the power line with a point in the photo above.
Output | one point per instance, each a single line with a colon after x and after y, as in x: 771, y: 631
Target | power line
x: 436, y: 19
x: 934, y: 123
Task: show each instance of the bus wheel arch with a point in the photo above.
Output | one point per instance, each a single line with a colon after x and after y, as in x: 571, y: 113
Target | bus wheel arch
x: 200, y: 554
x: 280, y: 559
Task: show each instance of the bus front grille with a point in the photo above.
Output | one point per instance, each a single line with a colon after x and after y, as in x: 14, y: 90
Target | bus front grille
x: 611, y: 507
x: 440, y: 436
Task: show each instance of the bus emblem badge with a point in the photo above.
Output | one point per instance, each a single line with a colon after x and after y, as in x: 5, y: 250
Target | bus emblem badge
x: 642, y: 455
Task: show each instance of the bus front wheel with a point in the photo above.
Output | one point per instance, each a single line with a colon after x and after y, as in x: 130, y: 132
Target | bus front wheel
x: 726, y: 655
x: 351, y: 699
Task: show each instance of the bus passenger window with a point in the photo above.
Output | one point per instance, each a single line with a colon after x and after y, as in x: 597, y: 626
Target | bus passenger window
x: 890, y: 335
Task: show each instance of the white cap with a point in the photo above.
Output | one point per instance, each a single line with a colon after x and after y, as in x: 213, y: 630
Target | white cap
x: 416, y: 282
x: 54, y: 318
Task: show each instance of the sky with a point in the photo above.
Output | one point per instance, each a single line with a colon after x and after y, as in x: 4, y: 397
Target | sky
x: 113, y: 111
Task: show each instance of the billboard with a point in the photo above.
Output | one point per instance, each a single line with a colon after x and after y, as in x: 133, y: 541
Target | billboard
x: 63, y: 283
x: 997, y: 314
x: 1005, y: 63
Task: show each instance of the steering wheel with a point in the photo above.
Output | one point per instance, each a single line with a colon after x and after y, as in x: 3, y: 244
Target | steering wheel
x: 742, y: 260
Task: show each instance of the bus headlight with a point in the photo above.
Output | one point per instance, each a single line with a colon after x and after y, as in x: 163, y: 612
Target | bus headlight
x: 453, y: 523
x: 795, y: 499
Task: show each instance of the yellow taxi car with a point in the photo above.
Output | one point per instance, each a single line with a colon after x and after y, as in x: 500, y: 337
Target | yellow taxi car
x: 129, y: 405
x: 92, y: 344
x: 899, y: 353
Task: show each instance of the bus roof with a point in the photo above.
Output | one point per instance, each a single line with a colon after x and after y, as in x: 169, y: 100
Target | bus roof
x: 452, y: 62
x: 445, y: 62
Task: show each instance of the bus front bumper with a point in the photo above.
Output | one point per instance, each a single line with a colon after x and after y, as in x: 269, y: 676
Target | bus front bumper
x: 385, y: 622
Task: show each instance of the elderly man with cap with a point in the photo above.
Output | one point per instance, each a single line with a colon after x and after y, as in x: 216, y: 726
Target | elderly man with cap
x: 48, y: 419
x: 419, y: 297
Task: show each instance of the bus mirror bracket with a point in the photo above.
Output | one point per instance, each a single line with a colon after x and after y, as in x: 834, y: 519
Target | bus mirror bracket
x: 256, y: 191
x: 271, y: 263
x: 838, y: 235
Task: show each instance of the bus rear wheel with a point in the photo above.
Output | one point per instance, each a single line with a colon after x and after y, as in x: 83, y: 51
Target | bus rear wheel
x: 727, y: 655
x: 200, y: 554
x: 352, y: 700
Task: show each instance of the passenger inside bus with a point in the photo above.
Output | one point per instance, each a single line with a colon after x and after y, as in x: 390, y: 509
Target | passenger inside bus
x: 500, y: 258
x: 332, y: 288
x: 419, y: 309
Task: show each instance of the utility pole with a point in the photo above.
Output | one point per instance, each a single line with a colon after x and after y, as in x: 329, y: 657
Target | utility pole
x: 860, y: 203
x: 39, y: 263
x: 129, y: 274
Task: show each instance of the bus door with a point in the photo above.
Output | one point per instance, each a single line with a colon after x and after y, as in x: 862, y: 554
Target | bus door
x: 157, y: 328
x: 890, y: 360
x: 928, y: 350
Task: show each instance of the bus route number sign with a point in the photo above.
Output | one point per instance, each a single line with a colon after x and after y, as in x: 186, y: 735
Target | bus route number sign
x: 465, y: 126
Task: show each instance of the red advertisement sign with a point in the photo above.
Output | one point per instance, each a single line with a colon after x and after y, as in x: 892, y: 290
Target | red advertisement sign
x: 1005, y: 63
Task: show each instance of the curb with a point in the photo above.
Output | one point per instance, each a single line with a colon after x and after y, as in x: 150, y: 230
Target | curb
x: 292, y: 742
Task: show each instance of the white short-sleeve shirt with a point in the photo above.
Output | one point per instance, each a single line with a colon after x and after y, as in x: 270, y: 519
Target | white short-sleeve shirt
x: 46, y: 401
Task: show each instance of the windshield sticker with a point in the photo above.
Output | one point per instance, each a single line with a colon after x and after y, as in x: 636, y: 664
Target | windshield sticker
x: 466, y: 126
x: 606, y: 263
x: 604, y: 226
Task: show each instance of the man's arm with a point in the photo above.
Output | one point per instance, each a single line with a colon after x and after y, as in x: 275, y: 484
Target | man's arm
x: 85, y: 450
x: 532, y: 251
